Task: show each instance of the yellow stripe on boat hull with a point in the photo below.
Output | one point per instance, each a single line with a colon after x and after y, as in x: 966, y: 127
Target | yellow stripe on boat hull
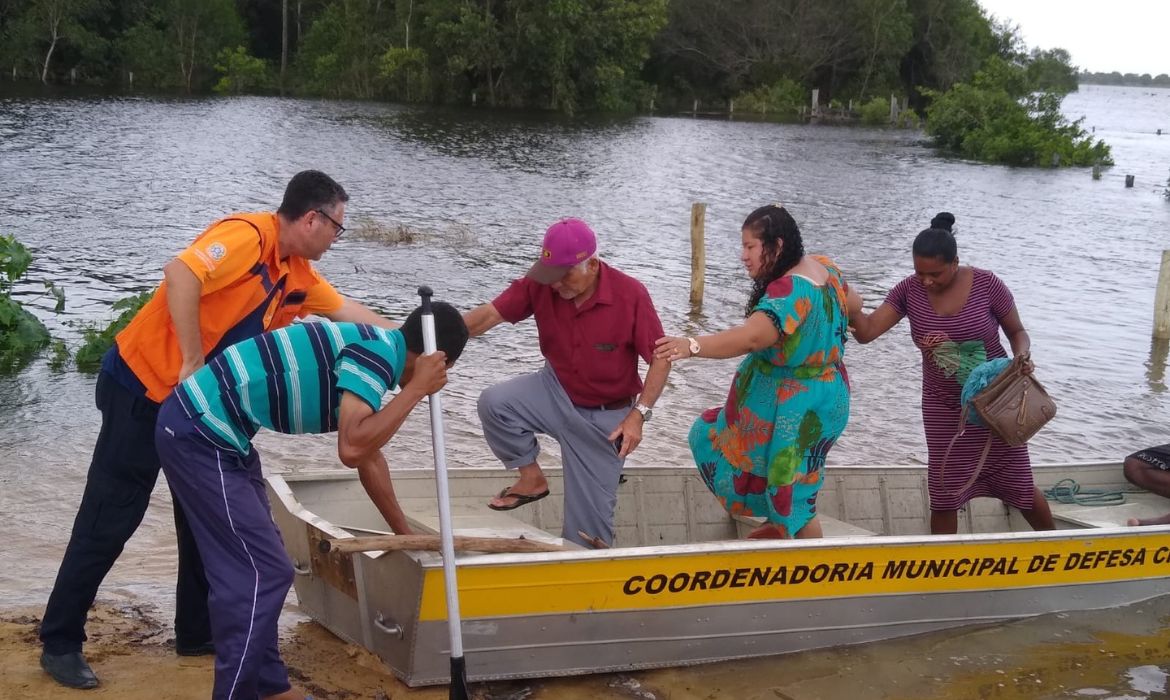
x: 793, y: 572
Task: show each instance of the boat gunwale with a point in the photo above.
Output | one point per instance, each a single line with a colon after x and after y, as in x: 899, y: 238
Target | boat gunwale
x: 432, y: 560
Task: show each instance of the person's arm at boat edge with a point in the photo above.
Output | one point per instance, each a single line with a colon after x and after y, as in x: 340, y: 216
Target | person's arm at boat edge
x: 362, y: 432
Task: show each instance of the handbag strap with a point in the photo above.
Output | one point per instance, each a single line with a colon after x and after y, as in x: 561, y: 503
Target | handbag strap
x: 982, y: 458
x: 1015, y: 368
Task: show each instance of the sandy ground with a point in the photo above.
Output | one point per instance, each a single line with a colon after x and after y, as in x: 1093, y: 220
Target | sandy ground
x: 132, y: 653
x: 1118, y: 654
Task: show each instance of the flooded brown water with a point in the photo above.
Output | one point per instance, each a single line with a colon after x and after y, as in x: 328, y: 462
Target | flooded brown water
x: 106, y: 190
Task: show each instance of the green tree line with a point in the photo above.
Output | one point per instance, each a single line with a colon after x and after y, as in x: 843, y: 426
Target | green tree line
x: 1133, y: 79
x: 565, y: 55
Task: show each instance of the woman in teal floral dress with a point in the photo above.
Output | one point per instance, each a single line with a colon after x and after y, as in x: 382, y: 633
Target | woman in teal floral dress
x: 763, y: 452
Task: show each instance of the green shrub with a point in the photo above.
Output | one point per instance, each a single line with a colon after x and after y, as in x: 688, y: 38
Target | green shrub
x: 96, y: 340
x: 784, y: 97
x: 405, y: 72
x: 241, y: 72
x: 876, y: 111
x: 22, y: 335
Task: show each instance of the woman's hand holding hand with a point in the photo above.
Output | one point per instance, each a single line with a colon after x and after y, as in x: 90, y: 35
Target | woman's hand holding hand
x: 671, y: 348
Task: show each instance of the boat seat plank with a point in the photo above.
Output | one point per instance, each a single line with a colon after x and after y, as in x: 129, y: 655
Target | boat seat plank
x: 1139, y: 505
x: 473, y: 519
x: 831, y: 527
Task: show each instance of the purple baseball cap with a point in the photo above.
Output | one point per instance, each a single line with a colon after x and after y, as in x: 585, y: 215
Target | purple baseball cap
x: 566, y: 243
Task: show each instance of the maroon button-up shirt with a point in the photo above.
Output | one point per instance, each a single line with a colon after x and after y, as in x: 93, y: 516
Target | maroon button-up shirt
x: 593, y: 349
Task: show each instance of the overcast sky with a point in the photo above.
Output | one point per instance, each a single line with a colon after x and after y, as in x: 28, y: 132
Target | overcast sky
x: 1128, y: 36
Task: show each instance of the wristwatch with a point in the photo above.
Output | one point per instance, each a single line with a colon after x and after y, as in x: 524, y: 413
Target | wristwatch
x: 694, y: 347
x: 645, y: 410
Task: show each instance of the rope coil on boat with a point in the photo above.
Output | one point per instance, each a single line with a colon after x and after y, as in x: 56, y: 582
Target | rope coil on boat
x: 1070, y: 492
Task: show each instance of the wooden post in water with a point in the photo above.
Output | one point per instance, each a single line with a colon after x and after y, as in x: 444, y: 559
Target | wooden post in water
x: 1096, y: 171
x: 730, y: 108
x: 1129, y: 180
x: 1161, y: 300
x: 698, y: 251
x: 816, y: 100
x: 695, y: 107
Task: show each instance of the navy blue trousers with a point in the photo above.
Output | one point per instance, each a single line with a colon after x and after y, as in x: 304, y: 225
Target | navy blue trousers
x: 248, y: 571
x: 117, y: 492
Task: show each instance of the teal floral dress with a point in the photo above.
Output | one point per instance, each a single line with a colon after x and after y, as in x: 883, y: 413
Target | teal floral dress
x: 763, y: 452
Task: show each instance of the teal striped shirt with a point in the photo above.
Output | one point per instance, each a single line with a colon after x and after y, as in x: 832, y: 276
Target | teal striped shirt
x: 290, y: 380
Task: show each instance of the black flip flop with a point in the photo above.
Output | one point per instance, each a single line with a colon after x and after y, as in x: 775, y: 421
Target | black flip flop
x: 521, y: 499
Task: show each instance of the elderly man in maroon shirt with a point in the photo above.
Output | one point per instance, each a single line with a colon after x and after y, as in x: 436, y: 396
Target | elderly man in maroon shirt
x: 593, y: 322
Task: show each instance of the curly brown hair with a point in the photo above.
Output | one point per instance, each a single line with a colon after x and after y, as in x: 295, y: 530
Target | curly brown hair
x: 776, y: 229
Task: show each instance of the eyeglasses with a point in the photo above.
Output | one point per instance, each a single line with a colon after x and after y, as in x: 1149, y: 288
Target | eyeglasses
x: 340, y: 228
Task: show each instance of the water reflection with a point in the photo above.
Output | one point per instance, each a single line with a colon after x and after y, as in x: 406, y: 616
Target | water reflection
x: 1156, y: 366
x: 553, y: 146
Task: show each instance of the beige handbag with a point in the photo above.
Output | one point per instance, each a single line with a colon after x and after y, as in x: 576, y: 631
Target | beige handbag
x: 1014, y: 406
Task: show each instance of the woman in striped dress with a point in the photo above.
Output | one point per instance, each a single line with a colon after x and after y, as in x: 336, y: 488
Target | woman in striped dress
x: 956, y: 313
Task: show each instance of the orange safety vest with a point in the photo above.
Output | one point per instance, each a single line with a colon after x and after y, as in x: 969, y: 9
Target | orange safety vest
x: 271, y: 294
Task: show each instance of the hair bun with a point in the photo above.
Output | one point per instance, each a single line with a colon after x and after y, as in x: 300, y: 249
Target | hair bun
x: 943, y: 220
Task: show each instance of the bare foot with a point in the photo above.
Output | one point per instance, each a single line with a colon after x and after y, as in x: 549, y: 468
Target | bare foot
x: 1160, y: 520
x: 768, y: 532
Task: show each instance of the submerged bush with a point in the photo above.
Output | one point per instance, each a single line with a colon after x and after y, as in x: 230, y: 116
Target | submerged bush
x: 22, y: 335
x: 997, y: 118
x: 96, y: 340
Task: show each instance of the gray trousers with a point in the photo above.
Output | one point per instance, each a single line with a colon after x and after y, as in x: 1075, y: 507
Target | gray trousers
x: 513, y: 412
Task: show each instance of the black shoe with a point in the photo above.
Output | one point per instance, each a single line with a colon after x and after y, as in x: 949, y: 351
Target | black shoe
x: 204, y: 649
x: 69, y: 669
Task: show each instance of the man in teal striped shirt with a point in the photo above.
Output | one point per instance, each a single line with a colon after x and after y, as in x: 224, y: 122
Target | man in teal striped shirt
x: 307, y: 378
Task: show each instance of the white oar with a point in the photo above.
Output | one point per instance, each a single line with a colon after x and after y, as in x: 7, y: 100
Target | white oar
x: 459, y: 689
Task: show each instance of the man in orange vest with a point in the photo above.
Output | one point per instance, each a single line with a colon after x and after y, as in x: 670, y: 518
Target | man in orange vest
x: 246, y: 274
